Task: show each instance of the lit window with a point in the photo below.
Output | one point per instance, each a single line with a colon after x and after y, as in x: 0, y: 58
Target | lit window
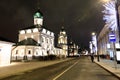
x: 43, y: 31
x: 29, y: 31
x: 40, y: 21
x: 22, y: 32
x: 52, y: 34
x: 35, y: 30
x: 32, y: 36
x: 63, y: 32
x: 42, y: 39
x: 48, y: 32
x: 25, y: 37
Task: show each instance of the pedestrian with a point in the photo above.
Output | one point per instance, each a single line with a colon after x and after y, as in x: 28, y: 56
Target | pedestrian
x: 92, y: 57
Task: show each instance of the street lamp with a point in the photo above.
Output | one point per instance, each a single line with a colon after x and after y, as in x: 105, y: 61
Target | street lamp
x: 94, y: 42
x: 94, y: 45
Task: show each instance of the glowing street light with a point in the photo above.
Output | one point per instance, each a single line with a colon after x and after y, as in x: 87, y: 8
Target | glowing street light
x: 93, y: 44
x: 93, y: 33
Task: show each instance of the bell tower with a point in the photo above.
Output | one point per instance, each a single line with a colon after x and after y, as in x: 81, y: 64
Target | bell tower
x: 62, y: 40
x: 38, y: 18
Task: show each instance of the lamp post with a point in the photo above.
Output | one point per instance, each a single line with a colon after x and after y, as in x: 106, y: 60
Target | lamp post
x: 94, y: 45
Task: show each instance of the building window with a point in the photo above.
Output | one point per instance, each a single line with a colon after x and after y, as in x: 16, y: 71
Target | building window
x: 22, y: 32
x: 51, y: 41
x: 35, y: 30
x: 36, y: 53
x: 16, y: 51
x: 29, y: 31
x: 47, y: 40
x: 29, y: 52
x: 42, y: 39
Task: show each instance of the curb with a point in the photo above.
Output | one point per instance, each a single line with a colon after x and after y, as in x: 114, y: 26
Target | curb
x: 116, y: 75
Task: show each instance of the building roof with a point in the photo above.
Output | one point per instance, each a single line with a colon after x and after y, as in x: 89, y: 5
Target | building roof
x: 38, y: 14
x: 28, y: 41
x: 62, y: 29
x: 31, y: 27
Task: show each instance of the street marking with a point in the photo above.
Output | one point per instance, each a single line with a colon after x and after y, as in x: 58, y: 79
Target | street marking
x: 65, y: 71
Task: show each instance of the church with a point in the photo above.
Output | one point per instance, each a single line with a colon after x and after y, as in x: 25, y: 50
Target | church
x: 36, y: 41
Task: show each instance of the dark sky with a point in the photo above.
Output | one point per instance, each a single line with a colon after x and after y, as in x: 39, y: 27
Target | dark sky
x: 79, y: 17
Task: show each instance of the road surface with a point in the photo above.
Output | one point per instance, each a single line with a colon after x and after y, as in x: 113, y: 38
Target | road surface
x: 77, y: 69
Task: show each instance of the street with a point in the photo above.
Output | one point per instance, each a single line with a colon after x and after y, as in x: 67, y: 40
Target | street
x: 86, y: 70
x: 77, y: 69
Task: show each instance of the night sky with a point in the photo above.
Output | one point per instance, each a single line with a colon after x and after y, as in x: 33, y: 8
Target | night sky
x: 79, y: 17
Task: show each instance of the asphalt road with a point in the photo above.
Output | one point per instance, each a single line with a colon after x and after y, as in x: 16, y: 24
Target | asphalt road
x: 77, y: 69
x: 86, y: 70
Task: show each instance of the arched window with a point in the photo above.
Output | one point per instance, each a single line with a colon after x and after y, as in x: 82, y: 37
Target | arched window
x: 16, y: 51
x: 29, y: 52
x: 42, y: 39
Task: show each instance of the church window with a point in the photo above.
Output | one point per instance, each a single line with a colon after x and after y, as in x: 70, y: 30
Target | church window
x: 44, y: 31
x: 52, y: 34
x: 29, y: 31
x: 25, y: 37
x: 36, y: 53
x: 48, y: 32
x: 51, y: 41
x: 47, y: 40
x: 16, y: 51
x: 35, y: 30
x: 29, y: 52
x: 22, y: 32
x: 42, y: 40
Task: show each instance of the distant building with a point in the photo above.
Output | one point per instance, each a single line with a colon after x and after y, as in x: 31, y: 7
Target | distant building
x: 93, y: 44
x: 72, y: 49
x: 62, y: 41
x: 35, y: 41
x: 105, y: 47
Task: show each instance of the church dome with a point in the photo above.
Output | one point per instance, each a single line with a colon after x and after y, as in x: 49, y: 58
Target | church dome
x: 38, y: 14
x: 63, y: 29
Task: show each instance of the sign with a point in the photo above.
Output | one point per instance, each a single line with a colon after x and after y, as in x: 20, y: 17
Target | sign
x: 112, y: 37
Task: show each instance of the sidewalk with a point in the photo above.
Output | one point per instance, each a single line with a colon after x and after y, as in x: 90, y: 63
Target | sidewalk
x: 110, y: 66
x: 17, y: 68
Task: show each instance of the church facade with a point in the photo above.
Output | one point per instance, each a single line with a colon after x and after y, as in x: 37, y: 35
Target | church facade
x: 62, y: 41
x: 35, y: 41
